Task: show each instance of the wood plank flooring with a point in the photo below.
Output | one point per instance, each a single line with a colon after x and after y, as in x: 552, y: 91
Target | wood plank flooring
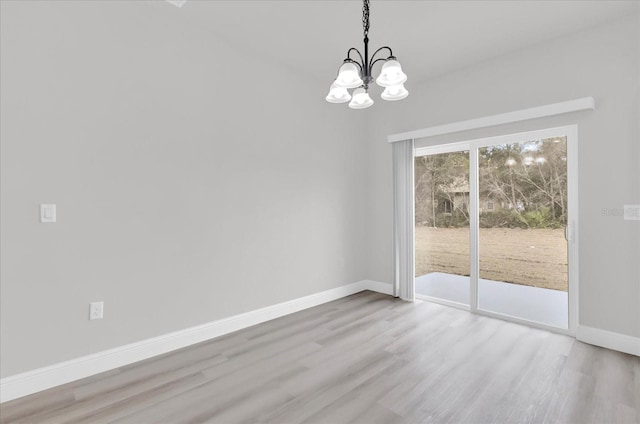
x: 367, y: 358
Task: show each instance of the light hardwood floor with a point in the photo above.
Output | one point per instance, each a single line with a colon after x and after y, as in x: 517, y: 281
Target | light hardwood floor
x: 367, y: 358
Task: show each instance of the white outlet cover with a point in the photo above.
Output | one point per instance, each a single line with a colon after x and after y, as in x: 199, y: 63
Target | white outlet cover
x: 96, y: 310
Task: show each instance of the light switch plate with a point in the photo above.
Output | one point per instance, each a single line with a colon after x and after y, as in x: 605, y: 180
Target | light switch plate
x: 47, y: 213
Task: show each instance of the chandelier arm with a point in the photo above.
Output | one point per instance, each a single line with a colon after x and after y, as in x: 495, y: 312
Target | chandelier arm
x: 359, y: 55
x: 376, y: 61
x: 378, y: 51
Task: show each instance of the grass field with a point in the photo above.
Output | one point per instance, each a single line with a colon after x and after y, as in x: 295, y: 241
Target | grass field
x: 530, y: 257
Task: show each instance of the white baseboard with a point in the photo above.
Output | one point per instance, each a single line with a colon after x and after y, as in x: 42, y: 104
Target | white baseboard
x: 30, y: 382
x: 609, y: 339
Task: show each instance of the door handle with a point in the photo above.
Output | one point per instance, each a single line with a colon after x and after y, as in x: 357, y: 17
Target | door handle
x: 568, y: 232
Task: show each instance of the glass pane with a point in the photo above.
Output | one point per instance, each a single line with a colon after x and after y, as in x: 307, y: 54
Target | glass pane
x: 523, y: 215
x: 442, y: 226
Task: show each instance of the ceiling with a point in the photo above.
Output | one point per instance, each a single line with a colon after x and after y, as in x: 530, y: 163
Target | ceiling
x: 429, y: 38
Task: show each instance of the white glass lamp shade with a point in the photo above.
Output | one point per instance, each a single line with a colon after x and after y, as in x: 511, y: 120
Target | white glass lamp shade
x: 348, y: 76
x: 360, y: 100
x: 395, y: 92
x: 391, y: 74
x: 338, y: 94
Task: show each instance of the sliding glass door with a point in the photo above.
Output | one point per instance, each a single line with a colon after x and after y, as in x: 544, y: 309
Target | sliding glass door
x: 495, y: 223
x: 442, y: 226
x: 523, y: 215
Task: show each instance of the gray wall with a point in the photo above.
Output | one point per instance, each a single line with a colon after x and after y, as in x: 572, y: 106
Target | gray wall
x: 183, y: 194
x: 602, y: 62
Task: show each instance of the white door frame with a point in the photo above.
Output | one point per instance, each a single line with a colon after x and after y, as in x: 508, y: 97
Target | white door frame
x: 571, y: 132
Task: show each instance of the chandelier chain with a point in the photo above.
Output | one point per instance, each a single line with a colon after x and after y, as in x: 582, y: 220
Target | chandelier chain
x: 365, y: 18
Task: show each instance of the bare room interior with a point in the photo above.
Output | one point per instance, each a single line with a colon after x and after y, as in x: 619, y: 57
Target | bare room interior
x: 288, y: 211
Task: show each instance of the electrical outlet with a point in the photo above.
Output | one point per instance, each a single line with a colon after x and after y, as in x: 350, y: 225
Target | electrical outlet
x: 96, y: 310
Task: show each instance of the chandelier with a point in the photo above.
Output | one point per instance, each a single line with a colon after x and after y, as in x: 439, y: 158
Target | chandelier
x: 357, y: 74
